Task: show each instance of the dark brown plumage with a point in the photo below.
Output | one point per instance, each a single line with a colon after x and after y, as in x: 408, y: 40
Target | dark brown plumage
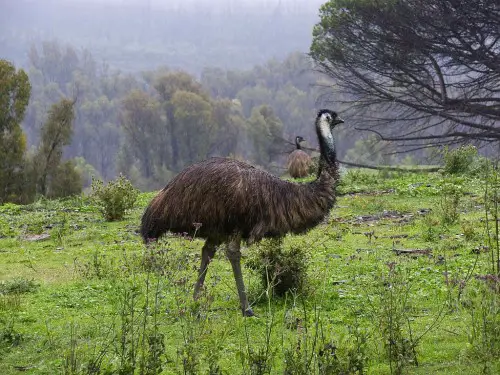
x: 234, y: 201
x: 299, y: 162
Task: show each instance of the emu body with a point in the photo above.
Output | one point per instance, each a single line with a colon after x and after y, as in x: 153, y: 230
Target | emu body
x: 234, y: 201
x: 299, y: 162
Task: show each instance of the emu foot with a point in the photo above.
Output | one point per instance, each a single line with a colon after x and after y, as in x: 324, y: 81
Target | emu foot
x: 248, y: 312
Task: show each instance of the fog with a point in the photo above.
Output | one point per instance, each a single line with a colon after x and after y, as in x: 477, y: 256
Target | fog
x: 136, y: 35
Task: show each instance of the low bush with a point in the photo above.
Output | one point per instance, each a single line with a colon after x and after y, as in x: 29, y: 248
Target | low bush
x: 279, y: 269
x: 115, y: 198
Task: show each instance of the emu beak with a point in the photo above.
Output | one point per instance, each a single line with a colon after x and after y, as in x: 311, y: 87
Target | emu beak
x: 337, y: 121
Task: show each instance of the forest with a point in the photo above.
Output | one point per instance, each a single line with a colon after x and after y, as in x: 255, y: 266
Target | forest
x: 152, y: 124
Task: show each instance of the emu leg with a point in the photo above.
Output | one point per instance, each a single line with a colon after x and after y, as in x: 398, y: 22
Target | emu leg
x: 234, y: 255
x: 207, y: 254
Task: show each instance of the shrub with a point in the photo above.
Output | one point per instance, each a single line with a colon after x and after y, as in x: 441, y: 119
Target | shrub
x: 115, y: 198
x: 431, y: 228
x: 451, y: 193
x: 464, y: 160
x: 281, y: 270
x: 18, y: 286
x: 482, y: 303
x: 469, y: 230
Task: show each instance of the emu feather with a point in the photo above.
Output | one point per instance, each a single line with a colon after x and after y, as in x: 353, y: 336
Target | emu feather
x: 234, y: 201
x: 299, y: 162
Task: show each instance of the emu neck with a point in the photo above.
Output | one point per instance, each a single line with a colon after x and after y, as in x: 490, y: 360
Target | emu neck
x: 328, y: 160
x: 297, y: 143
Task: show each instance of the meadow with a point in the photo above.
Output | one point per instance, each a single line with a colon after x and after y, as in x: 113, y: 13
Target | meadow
x: 399, y: 279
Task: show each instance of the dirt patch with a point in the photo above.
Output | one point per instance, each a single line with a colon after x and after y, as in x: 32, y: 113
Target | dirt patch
x: 367, y: 193
x: 396, y: 216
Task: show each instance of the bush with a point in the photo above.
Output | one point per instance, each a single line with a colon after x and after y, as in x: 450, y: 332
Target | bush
x: 281, y: 270
x: 18, y: 286
x: 115, y: 198
x: 452, y: 191
x: 464, y: 160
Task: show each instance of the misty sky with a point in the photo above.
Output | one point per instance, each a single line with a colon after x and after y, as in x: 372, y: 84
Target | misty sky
x: 299, y: 5
x: 142, y: 34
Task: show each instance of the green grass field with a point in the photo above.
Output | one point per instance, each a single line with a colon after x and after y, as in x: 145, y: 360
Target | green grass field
x: 392, y: 286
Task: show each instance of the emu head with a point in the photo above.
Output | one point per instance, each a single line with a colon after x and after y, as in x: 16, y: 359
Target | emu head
x: 330, y: 117
x: 298, y: 140
x: 326, y: 120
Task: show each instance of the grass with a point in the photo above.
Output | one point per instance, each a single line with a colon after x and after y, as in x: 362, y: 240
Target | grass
x: 79, y: 295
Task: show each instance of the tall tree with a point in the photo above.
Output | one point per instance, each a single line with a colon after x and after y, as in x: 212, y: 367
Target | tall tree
x: 145, y: 132
x: 195, y: 129
x: 230, y: 125
x: 265, y: 129
x: 55, y: 134
x: 167, y: 85
x: 15, y: 92
x: 416, y: 71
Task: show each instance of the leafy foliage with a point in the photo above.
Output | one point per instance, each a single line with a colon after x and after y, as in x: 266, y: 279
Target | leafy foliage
x: 55, y: 134
x: 14, y: 95
x: 115, y: 198
x: 280, y: 270
x: 150, y: 126
x: 18, y: 286
x: 464, y: 160
x: 15, y: 92
x: 65, y: 181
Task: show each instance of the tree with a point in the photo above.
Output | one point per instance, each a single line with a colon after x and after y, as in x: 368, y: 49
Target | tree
x: 101, y: 136
x: 265, y: 128
x: 15, y: 92
x: 254, y: 96
x: 55, y: 134
x: 146, y: 135
x: 194, y: 125
x: 66, y: 180
x: 415, y: 71
x: 167, y: 84
x: 230, y: 126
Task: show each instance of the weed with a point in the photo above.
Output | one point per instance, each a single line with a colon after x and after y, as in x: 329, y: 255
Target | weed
x: 451, y: 192
x: 394, y: 321
x: 282, y: 270
x: 18, y: 286
x: 483, y: 305
x: 10, y: 302
x: 319, y: 352
x: 61, y: 230
x: 9, y: 336
x: 259, y: 361
x: 431, y: 228
x: 491, y: 199
x: 115, y: 198
x: 469, y: 230
x: 6, y: 228
x: 99, y: 266
x: 70, y: 361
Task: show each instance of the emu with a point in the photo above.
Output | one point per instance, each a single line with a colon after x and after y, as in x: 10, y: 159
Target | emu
x: 299, y: 162
x: 234, y: 201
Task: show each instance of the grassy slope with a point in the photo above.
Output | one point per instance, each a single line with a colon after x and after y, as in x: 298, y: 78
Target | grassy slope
x: 90, y: 287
